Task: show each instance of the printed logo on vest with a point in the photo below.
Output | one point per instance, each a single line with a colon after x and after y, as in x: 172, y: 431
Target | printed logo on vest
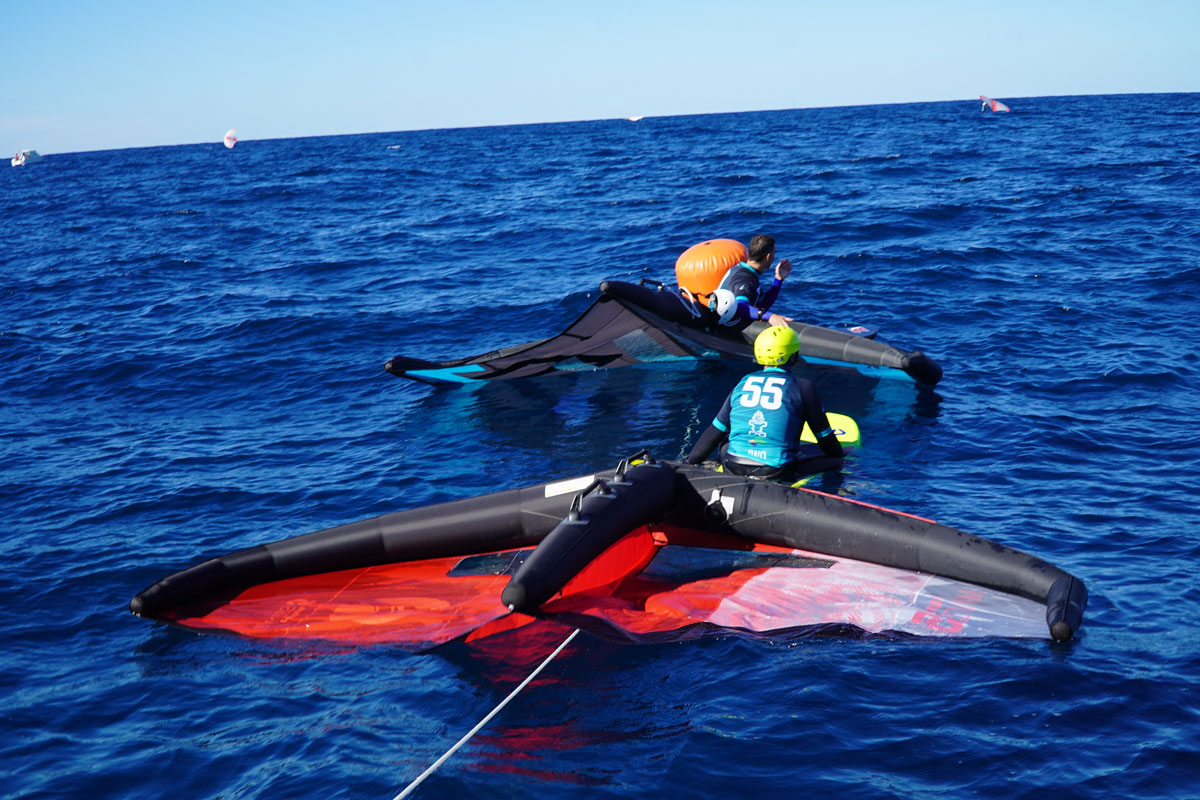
x: 758, y: 424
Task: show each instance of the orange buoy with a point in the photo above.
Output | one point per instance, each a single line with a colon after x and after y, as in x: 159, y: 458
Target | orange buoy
x: 700, y: 269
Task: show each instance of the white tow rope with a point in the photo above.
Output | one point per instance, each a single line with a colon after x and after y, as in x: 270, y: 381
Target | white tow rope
x: 432, y: 767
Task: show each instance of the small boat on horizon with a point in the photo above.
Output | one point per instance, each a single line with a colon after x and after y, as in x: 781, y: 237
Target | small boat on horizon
x: 24, y: 157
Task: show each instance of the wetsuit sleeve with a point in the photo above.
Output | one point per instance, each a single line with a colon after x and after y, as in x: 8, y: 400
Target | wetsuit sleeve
x: 716, y: 433
x: 753, y: 304
x: 767, y: 298
x: 746, y: 311
x: 814, y: 415
x: 707, y: 442
x: 830, y: 445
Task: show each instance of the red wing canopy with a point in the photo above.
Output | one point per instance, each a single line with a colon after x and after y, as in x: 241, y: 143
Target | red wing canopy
x: 685, y: 584
x: 418, y: 603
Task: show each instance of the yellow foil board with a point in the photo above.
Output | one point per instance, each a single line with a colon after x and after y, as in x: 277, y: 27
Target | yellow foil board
x: 845, y: 428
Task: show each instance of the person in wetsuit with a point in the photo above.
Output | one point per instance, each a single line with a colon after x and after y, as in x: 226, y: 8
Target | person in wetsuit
x: 757, y: 431
x: 742, y: 282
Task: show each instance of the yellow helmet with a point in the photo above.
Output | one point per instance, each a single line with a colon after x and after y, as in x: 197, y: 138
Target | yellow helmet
x: 775, y: 345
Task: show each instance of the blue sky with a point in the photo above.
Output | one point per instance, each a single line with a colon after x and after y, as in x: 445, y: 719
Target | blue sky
x: 97, y: 76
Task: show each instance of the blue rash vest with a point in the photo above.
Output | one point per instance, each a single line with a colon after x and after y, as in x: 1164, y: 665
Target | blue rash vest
x: 743, y: 280
x: 765, y: 413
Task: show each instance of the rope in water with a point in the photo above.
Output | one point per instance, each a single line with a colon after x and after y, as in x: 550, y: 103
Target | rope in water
x: 432, y: 767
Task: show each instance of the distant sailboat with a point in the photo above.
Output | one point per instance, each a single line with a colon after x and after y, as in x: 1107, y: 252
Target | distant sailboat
x: 994, y: 105
x: 231, y: 138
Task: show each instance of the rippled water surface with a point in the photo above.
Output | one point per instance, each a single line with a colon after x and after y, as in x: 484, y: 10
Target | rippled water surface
x: 193, y: 341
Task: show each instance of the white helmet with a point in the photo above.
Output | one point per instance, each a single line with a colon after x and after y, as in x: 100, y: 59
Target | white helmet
x: 724, y: 303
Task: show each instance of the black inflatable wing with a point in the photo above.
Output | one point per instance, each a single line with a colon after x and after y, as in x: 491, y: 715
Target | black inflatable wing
x: 653, y: 551
x: 632, y: 324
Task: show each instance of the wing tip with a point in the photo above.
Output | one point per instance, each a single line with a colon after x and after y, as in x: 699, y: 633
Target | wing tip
x: 399, y: 365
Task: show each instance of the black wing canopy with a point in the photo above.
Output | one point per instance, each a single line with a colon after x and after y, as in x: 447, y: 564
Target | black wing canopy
x: 632, y: 324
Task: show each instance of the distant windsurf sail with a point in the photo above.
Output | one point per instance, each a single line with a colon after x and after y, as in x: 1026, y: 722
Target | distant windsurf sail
x: 994, y: 105
x: 231, y: 138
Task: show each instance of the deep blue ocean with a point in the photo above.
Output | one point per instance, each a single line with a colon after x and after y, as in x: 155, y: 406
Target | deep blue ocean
x: 193, y: 339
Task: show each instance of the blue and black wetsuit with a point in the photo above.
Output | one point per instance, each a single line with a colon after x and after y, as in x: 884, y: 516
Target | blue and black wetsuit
x: 753, y: 303
x: 762, y: 420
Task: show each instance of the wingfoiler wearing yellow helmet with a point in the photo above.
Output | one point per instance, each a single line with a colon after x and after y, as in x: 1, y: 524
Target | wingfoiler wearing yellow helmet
x: 759, y: 430
x: 776, y: 345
